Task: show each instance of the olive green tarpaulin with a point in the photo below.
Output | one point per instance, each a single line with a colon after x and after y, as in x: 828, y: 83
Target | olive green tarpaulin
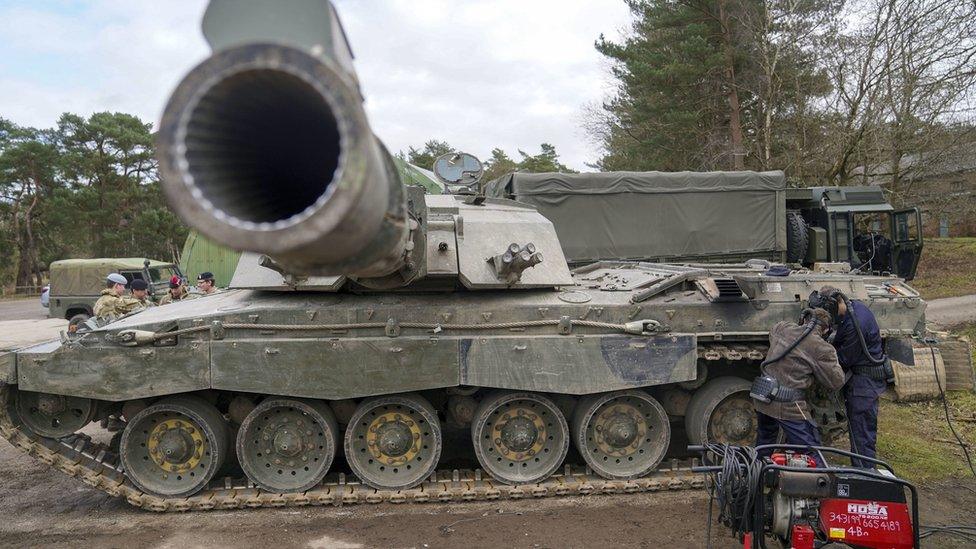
x: 657, y: 215
x: 87, y: 276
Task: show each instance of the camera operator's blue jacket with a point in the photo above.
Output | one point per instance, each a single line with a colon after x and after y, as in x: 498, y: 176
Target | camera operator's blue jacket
x: 849, y: 352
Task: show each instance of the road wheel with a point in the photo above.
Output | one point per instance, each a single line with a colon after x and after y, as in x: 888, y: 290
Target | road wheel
x: 393, y: 442
x: 76, y: 322
x: 287, y: 445
x: 621, y: 435
x: 173, y: 448
x: 519, y: 438
x: 721, y: 411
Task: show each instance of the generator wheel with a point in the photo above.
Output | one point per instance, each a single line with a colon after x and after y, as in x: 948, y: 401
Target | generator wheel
x: 797, y: 239
x: 721, y: 411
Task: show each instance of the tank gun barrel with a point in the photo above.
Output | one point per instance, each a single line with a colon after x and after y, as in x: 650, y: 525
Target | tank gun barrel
x: 265, y: 145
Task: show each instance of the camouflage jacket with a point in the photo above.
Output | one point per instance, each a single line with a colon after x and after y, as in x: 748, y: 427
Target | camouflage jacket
x: 110, y: 306
x: 145, y: 303
x: 168, y: 297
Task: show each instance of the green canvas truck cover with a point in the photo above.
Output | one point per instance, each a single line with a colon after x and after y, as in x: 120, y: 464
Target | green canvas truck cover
x: 656, y: 215
x: 87, y: 276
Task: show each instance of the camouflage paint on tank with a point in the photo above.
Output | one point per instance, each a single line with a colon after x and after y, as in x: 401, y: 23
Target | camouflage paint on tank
x: 357, y: 362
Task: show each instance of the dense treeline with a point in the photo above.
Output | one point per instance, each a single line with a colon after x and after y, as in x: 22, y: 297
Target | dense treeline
x: 831, y: 91
x: 85, y: 188
x: 497, y: 165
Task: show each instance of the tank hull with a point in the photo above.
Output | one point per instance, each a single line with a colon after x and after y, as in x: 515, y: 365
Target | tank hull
x: 343, y: 346
x: 626, y: 365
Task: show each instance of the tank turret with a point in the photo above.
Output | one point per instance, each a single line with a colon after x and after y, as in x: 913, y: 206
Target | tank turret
x: 265, y: 147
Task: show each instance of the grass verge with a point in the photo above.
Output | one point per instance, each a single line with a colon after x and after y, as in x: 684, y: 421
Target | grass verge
x: 916, y: 440
x: 947, y: 268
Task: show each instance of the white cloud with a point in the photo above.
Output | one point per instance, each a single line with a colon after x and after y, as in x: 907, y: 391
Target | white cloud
x: 478, y: 74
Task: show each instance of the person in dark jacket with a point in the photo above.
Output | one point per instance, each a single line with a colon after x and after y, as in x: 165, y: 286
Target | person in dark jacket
x: 812, y: 359
x: 866, y: 384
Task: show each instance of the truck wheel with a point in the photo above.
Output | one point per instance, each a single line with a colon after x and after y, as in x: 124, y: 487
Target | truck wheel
x: 797, y: 240
x: 76, y: 322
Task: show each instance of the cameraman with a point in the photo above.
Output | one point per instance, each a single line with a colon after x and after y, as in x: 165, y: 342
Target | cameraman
x: 865, y: 361
x: 798, y: 355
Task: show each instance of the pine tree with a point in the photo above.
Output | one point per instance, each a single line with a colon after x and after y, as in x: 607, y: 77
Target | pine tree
x: 424, y: 157
x: 711, y: 84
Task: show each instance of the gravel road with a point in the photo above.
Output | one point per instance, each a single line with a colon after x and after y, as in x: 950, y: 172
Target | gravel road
x: 951, y: 311
x: 22, y: 309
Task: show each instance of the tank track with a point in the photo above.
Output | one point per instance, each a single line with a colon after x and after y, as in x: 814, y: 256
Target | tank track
x: 97, y: 466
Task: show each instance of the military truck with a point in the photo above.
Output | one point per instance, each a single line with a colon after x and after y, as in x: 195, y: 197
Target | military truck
x: 719, y: 217
x: 77, y: 283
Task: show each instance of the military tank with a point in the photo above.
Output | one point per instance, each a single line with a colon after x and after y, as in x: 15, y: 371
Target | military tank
x: 374, y: 328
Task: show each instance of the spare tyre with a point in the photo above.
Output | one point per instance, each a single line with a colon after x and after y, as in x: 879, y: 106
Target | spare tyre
x: 76, y: 322
x: 797, y: 240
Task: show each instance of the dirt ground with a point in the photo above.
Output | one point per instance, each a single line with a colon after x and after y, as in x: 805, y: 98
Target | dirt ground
x: 41, y: 507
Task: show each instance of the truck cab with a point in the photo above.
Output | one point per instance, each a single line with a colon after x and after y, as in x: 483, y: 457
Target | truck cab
x: 854, y: 225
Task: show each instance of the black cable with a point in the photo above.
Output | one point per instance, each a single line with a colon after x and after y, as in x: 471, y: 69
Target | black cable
x: 860, y: 334
x: 945, y: 406
x: 967, y: 533
x: 736, y: 485
x: 711, y: 504
x: 809, y: 329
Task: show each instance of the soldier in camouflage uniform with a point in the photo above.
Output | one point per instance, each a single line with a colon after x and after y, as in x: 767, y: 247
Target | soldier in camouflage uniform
x: 177, y: 291
x: 113, y: 303
x: 139, y: 289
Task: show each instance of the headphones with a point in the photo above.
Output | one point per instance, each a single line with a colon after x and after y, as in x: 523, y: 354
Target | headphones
x: 806, y: 315
x: 829, y: 302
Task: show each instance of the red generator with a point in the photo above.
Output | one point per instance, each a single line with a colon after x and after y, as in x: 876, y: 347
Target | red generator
x: 788, y: 497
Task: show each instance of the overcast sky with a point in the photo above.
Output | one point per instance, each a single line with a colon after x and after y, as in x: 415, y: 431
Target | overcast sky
x: 478, y: 74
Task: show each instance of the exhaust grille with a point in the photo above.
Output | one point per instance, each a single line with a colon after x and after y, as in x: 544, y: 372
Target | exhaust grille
x: 728, y: 290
